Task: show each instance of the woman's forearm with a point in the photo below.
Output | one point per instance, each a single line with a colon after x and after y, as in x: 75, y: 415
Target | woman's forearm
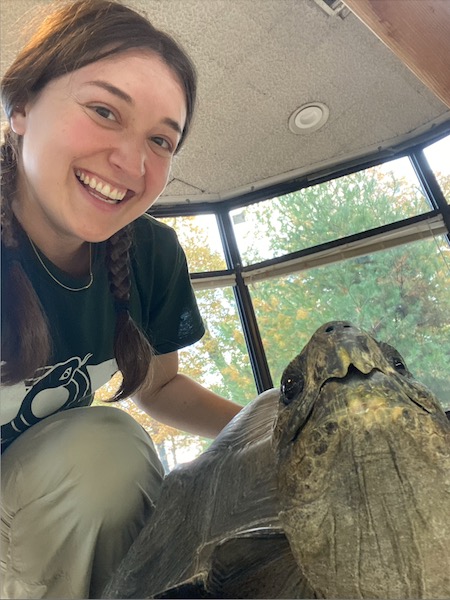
x: 185, y: 404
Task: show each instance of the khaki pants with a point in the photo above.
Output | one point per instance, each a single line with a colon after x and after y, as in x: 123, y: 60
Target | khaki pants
x: 76, y: 490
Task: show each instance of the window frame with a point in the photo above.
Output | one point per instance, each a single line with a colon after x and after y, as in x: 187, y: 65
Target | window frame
x: 429, y: 224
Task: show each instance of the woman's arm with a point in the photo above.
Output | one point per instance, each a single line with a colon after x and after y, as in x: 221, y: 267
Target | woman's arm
x: 181, y: 402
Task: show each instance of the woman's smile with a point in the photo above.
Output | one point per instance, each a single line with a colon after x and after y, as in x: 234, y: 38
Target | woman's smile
x: 109, y: 193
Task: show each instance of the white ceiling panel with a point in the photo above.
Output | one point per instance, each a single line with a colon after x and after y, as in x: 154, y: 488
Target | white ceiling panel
x: 259, y: 60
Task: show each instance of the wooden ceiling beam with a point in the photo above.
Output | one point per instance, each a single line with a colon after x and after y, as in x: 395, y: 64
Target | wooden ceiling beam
x: 417, y: 31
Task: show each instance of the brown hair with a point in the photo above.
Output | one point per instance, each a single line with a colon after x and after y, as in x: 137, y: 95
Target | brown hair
x: 68, y: 39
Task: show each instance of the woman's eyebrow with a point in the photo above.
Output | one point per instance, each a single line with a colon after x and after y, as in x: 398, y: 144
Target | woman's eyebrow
x: 173, y: 125
x: 112, y: 89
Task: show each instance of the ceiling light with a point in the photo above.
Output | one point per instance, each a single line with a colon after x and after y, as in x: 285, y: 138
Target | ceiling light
x: 309, y: 117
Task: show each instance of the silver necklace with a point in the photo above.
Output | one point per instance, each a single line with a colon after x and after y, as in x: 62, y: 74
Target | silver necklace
x: 66, y: 287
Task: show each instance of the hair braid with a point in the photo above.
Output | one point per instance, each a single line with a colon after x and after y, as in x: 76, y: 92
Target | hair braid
x: 132, y: 350
x: 26, y: 341
x: 117, y: 261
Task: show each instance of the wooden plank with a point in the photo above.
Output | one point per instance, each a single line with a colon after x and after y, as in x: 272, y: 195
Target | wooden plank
x: 417, y: 31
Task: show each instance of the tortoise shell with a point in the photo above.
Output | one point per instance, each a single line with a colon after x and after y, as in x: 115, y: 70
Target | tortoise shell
x: 339, y: 486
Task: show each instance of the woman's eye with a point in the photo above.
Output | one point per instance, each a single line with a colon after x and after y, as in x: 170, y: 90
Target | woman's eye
x: 105, y: 113
x: 163, y: 143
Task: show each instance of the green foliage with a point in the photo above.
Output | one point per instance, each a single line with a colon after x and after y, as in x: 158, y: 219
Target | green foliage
x: 329, y: 211
x: 398, y: 295
x: 220, y: 360
x: 392, y: 294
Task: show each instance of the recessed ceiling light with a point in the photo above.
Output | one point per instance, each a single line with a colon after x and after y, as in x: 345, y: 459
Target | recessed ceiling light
x: 309, y: 117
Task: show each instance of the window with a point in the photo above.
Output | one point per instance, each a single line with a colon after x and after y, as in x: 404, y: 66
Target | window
x: 220, y: 360
x: 328, y: 211
x: 400, y: 296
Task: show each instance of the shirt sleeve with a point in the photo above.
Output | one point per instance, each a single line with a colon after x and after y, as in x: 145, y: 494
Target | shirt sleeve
x: 170, y: 315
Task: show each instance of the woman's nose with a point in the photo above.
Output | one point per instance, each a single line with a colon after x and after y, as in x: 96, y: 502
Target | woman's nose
x: 130, y: 156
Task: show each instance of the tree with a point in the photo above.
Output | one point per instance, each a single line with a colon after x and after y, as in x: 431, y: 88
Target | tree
x: 399, y: 295
x: 219, y: 360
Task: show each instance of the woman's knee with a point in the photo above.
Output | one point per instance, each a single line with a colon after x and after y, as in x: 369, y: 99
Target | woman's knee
x: 106, y: 436
x: 101, y: 453
x: 87, y: 478
x: 114, y: 459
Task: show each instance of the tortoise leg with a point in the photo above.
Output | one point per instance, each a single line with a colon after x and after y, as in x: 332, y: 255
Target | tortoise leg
x: 256, y: 564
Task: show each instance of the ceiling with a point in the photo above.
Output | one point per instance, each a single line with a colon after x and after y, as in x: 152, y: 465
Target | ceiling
x: 258, y: 61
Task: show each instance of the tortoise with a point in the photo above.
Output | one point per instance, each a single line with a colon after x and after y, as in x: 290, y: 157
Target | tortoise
x: 337, y: 485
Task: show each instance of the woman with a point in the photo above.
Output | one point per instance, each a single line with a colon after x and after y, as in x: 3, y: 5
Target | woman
x: 98, y: 104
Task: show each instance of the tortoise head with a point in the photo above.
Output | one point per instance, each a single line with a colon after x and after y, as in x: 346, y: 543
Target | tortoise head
x: 343, y: 370
x: 359, y: 445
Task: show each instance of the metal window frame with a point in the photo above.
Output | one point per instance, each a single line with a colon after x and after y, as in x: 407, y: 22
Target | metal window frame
x: 435, y: 222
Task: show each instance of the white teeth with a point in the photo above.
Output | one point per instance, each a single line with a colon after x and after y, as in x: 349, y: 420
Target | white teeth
x: 103, y: 188
x: 106, y: 191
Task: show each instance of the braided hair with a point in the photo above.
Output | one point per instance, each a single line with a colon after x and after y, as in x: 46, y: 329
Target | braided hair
x: 75, y: 35
x: 26, y: 340
x: 133, y: 365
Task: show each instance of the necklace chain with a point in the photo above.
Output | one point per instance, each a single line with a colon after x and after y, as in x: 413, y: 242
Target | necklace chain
x: 66, y: 287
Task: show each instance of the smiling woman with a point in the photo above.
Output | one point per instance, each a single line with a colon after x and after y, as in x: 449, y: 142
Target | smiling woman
x: 119, y: 142
x: 53, y: 105
x: 94, y: 286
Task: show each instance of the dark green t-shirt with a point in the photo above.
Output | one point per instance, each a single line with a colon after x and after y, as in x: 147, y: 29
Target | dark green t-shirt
x: 82, y: 323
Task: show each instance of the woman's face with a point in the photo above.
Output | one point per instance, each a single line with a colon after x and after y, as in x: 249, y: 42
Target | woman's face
x: 97, y: 147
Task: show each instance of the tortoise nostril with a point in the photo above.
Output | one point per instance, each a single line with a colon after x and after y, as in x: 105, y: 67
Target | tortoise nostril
x: 338, y: 327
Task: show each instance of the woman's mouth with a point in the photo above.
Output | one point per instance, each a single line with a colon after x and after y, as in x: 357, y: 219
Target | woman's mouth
x: 100, y: 189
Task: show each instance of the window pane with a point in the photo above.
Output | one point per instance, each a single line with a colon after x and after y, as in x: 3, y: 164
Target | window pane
x: 351, y: 204
x: 200, y: 239
x: 400, y: 296
x: 220, y: 360
x: 438, y: 155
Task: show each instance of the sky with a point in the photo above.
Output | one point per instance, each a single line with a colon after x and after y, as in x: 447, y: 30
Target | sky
x: 438, y: 155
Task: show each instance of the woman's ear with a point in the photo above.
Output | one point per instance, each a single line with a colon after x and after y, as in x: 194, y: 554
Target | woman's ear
x: 18, y: 120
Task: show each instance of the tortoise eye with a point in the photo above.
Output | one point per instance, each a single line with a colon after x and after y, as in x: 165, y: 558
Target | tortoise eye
x: 398, y: 364
x: 291, y: 388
